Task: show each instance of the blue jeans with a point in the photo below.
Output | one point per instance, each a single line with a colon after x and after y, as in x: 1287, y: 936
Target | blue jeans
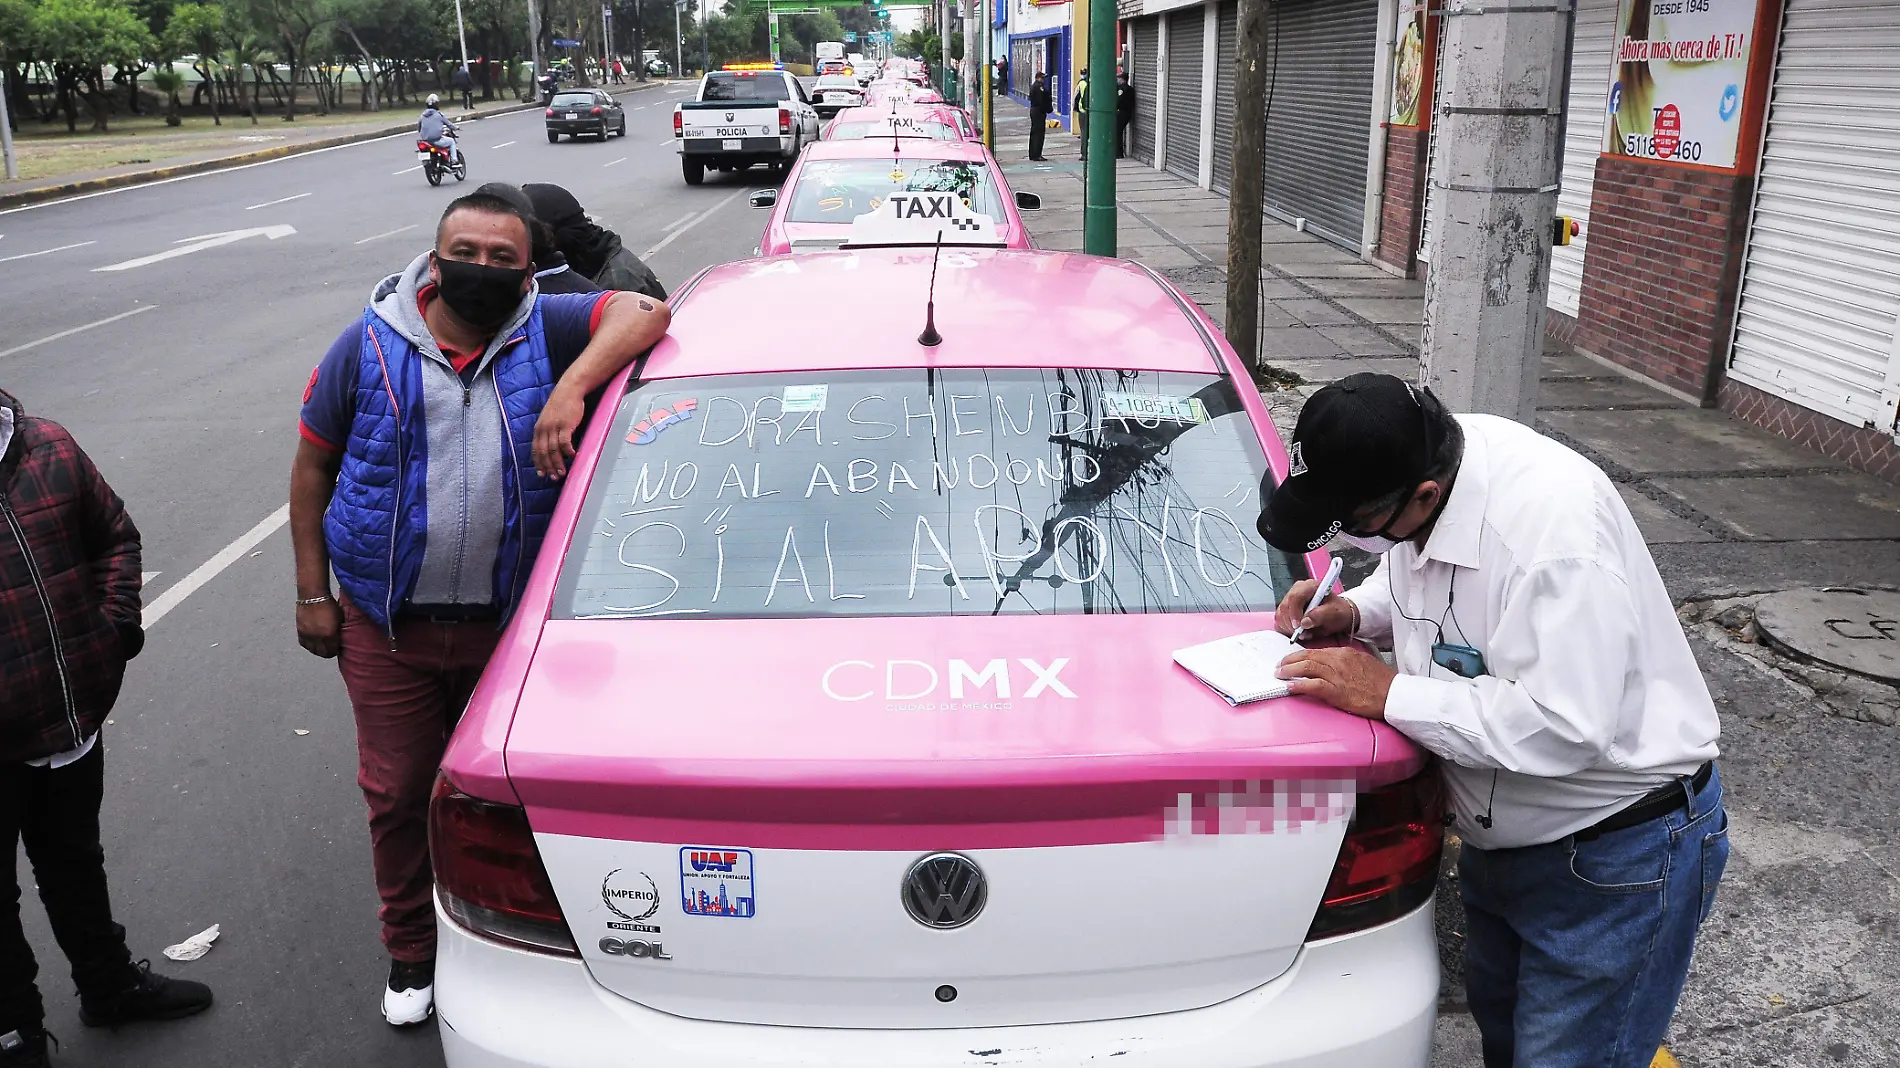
x: 1576, y: 951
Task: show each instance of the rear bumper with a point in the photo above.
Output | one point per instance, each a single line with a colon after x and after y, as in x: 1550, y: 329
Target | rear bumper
x: 591, y: 124
x: 1366, y: 1000
x: 713, y: 148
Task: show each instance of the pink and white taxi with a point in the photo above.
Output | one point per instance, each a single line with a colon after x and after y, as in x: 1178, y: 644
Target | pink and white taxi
x: 834, y: 182
x: 838, y: 724
x: 931, y: 123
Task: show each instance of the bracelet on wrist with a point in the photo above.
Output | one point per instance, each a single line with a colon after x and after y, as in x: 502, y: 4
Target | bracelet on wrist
x: 305, y: 601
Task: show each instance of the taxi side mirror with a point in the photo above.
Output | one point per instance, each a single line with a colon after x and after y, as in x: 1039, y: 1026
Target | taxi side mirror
x: 763, y: 198
x: 1028, y: 202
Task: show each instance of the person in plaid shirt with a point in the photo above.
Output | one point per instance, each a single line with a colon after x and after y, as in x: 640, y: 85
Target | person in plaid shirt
x: 69, y: 621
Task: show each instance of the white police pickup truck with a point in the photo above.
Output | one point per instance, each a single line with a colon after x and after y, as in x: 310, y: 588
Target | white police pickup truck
x: 744, y: 114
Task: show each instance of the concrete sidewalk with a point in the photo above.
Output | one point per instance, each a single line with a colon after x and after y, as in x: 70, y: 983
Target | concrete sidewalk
x: 1798, y: 965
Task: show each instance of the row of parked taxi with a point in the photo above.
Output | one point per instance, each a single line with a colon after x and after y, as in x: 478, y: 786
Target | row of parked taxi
x: 890, y: 134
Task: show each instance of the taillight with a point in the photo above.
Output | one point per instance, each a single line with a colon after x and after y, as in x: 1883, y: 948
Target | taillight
x: 1388, y: 864
x: 679, y: 124
x: 595, y: 110
x: 489, y: 874
x: 550, y: 113
x: 784, y: 121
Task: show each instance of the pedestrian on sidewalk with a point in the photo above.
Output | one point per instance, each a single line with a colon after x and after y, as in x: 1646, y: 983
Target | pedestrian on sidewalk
x: 465, y: 85
x: 1002, y: 73
x: 1575, y: 734
x: 69, y: 622
x: 431, y: 509
x: 620, y: 73
x: 1039, y: 108
x: 1124, y: 111
x: 1080, y: 109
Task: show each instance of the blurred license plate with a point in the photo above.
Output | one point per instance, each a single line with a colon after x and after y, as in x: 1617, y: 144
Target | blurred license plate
x: 422, y: 155
x: 572, y: 115
x: 837, y: 98
x: 731, y: 145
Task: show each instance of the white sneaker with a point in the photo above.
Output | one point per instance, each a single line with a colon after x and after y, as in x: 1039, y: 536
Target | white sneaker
x: 409, y: 996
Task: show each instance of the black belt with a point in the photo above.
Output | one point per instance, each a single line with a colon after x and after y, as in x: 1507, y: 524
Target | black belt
x: 450, y: 613
x: 1655, y: 804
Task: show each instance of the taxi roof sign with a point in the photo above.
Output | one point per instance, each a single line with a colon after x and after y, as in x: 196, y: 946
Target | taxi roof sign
x: 902, y: 126
x: 922, y: 220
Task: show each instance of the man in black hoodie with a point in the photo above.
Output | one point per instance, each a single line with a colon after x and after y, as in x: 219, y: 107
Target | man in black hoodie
x: 69, y: 621
x: 587, y: 247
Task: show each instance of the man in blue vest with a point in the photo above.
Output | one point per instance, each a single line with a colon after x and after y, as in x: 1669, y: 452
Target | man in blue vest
x: 435, y: 434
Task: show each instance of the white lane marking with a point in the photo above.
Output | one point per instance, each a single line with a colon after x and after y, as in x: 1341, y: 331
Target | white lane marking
x: 146, y: 577
x: 697, y: 219
x: 622, y: 159
x: 76, y: 330
x: 411, y: 170
x: 676, y: 223
x: 504, y: 144
x: 222, y: 170
x: 44, y: 252
x: 669, y: 141
x: 283, y: 200
x: 209, y: 570
x: 387, y: 233
x: 199, y: 244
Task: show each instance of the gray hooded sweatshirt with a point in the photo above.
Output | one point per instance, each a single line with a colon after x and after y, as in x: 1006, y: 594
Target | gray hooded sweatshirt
x: 467, y: 444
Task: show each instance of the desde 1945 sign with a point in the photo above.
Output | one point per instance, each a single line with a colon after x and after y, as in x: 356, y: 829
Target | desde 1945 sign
x: 1677, y: 82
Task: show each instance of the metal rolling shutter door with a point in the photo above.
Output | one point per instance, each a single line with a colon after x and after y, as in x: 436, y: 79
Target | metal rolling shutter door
x: 1146, y: 69
x: 1820, y: 291
x: 1320, y: 65
x: 1185, y: 29
x: 1584, y: 112
x: 1227, y: 38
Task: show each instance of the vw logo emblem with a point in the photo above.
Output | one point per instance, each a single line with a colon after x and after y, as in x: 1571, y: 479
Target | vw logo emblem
x: 945, y: 890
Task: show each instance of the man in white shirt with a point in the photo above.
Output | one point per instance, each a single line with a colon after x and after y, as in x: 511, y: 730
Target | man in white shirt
x: 1539, y: 657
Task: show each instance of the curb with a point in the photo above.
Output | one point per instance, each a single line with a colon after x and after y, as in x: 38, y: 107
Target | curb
x: 41, y: 194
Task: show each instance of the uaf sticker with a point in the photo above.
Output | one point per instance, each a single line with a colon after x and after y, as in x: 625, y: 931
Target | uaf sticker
x: 647, y: 429
x: 716, y: 882
x: 805, y: 398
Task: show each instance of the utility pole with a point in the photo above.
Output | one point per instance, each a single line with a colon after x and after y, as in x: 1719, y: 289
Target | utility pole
x: 1244, y: 207
x: 966, y: 85
x: 606, y: 43
x: 6, y: 133
x: 983, y: 8
x: 461, y: 34
x: 679, y: 41
x: 705, y: 48
x: 1498, y: 127
x: 640, y: 40
x: 1098, y: 210
x: 943, y: 35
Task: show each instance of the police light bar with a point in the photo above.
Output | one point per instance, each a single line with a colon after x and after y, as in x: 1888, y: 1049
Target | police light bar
x: 753, y: 66
x: 920, y: 220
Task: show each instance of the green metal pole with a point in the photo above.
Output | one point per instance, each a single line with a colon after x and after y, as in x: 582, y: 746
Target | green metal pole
x: 1098, y: 212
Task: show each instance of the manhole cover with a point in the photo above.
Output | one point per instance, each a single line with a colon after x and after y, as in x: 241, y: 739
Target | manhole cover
x: 1855, y: 630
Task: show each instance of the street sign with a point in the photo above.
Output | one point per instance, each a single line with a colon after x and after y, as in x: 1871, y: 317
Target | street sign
x: 850, y: 37
x: 562, y: 42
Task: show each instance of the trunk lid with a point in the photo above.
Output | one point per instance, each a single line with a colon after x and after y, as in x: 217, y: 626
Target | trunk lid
x: 730, y: 810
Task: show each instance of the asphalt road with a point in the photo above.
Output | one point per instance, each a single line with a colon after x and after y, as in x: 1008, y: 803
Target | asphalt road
x: 182, y: 378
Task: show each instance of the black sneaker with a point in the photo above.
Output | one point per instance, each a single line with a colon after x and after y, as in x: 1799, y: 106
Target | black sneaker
x: 25, y: 1048
x: 152, y: 997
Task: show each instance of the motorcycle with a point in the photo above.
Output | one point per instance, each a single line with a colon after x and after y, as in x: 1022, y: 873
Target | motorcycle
x: 436, y: 163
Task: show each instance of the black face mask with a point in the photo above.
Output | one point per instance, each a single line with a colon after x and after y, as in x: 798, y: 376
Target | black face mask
x: 484, y: 297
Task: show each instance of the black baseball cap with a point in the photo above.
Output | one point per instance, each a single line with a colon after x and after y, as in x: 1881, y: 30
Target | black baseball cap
x: 1357, y: 440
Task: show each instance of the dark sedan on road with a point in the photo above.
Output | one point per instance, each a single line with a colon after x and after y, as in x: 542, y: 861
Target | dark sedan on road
x: 585, y: 111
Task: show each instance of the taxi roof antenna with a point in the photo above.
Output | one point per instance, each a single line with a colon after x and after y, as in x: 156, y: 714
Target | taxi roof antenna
x: 930, y: 338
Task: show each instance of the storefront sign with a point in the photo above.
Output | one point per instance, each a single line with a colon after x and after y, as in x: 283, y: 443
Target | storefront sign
x: 1676, y: 85
x: 1409, y: 71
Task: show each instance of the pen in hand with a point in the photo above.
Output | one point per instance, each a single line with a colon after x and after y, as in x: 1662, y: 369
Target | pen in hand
x: 1319, y: 593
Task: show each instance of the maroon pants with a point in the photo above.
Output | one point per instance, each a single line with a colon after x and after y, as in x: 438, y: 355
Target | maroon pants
x: 407, y: 700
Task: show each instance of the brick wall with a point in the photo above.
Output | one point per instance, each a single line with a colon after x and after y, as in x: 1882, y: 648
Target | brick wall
x: 1659, y: 274
x: 1870, y: 450
x: 1402, y: 208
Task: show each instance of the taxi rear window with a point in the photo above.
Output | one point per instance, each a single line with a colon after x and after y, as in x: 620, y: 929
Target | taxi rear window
x: 858, y: 130
x: 925, y: 492
x: 840, y: 190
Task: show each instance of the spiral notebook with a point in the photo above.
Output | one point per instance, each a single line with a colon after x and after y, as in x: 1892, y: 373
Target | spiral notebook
x: 1240, y: 668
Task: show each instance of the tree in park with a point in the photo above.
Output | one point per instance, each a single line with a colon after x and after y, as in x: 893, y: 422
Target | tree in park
x: 169, y: 81
x: 199, y: 30
x: 83, y: 37
x: 294, y: 23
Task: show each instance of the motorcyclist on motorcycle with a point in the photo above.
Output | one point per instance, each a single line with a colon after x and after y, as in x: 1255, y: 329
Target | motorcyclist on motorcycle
x: 436, y: 129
